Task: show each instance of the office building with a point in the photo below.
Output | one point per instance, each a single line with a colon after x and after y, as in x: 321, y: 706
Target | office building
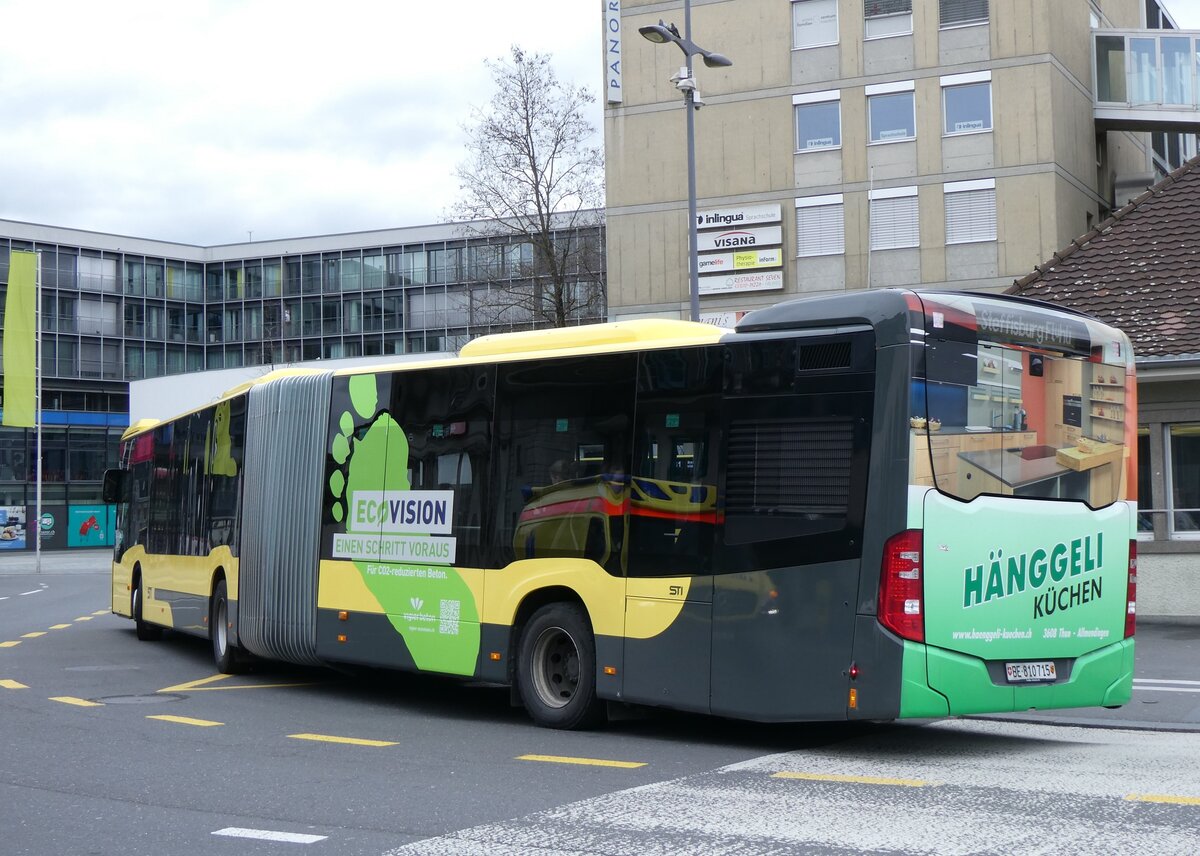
x: 116, y: 309
x: 870, y: 143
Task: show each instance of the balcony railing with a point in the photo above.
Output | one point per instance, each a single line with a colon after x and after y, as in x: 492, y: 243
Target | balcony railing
x: 1147, y: 79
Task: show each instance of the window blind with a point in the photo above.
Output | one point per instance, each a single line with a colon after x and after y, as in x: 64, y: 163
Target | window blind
x: 894, y: 223
x: 971, y: 216
x: 876, y: 8
x: 962, y: 11
x: 821, y: 230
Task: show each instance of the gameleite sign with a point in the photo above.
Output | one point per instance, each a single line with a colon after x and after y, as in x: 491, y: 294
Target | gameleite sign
x: 771, y: 257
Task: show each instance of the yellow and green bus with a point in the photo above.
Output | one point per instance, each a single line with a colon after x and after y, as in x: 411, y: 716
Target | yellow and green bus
x: 863, y: 506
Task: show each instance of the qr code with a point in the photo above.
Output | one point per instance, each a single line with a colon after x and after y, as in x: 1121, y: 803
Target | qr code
x: 449, y: 617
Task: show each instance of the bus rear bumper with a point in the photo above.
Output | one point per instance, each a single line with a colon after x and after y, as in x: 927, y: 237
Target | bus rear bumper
x: 1100, y: 678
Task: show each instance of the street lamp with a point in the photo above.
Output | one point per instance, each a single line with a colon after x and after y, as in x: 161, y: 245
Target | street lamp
x: 662, y: 34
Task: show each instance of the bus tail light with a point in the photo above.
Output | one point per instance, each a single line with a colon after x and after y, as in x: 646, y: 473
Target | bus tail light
x: 901, y: 606
x: 1131, y: 597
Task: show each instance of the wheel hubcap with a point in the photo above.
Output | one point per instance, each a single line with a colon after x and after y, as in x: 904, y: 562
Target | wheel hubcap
x: 555, y: 667
x: 219, y: 627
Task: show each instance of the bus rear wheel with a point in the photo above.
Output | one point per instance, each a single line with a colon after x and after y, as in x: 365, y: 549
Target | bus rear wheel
x: 556, y: 672
x: 224, y: 653
x: 145, y: 631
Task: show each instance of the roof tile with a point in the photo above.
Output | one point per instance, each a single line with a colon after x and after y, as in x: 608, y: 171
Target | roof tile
x: 1139, y: 270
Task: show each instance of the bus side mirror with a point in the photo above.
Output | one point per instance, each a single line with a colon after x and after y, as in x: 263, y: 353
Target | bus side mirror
x: 115, y: 484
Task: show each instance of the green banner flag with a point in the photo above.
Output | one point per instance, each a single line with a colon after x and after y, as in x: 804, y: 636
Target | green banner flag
x: 20, y: 339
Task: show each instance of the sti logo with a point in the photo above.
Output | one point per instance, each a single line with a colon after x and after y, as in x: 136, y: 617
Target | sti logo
x: 416, y: 603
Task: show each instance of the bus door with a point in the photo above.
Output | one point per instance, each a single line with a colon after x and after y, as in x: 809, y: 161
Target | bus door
x: 672, y: 513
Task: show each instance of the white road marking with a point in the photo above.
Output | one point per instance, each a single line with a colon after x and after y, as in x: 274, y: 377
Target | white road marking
x: 270, y: 835
x: 35, y: 591
x: 1076, y: 790
x: 1161, y: 685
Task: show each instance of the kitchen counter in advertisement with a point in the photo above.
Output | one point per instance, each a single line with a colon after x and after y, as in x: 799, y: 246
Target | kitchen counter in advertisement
x: 1043, y: 471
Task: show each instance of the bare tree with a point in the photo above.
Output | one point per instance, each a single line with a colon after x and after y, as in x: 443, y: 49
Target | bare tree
x: 533, y: 184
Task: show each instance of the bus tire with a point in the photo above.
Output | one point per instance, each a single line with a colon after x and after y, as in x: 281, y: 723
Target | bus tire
x: 145, y: 631
x: 224, y: 653
x: 556, y: 672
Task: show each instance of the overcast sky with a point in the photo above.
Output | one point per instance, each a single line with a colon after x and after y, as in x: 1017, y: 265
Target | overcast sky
x: 203, y: 122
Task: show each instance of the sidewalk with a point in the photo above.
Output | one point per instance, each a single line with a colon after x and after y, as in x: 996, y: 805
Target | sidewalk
x: 58, y: 562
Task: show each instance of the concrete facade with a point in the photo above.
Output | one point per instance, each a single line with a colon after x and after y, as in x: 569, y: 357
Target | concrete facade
x: 1053, y: 175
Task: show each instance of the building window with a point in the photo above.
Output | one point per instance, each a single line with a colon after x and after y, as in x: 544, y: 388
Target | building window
x: 814, y: 23
x: 1183, y: 480
x: 886, y: 18
x: 967, y: 103
x: 891, y: 112
x: 894, y: 219
x: 97, y: 274
x: 820, y: 226
x: 954, y: 13
x: 818, y: 121
x: 970, y: 211
x: 1145, y: 484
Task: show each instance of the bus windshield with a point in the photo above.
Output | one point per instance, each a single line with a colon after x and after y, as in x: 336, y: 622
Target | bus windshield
x: 1012, y: 400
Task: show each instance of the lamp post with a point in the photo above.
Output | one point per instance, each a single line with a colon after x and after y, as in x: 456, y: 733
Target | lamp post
x: 661, y: 33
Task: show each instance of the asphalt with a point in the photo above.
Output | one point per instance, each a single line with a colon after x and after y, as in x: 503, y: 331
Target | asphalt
x: 1166, y: 693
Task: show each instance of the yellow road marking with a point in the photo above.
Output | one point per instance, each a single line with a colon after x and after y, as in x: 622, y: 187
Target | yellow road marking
x: 191, y: 685
x: 84, y: 618
x: 102, y: 612
x: 199, y: 686
x: 185, y: 720
x: 861, y: 780
x: 9, y: 684
x: 59, y: 626
x: 33, y: 635
x: 9, y: 644
x: 353, y: 741
x: 590, y: 762
x: 1163, y: 798
x: 78, y: 702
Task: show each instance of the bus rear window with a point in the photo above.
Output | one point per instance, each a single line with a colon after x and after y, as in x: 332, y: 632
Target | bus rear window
x: 1004, y: 420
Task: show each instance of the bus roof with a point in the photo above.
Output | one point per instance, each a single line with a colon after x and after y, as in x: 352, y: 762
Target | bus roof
x: 637, y: 334
x: 144, y: 425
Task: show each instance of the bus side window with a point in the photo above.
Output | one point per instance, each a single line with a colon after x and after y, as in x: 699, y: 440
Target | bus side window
x: 561, y: 456
x: 673, y: 492
x: 446, y: 415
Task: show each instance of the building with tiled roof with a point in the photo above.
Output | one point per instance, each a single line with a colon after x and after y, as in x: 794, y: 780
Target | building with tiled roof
x: 1140, y: 271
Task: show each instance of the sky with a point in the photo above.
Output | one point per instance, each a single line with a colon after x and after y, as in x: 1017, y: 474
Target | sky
x: 209, y: 122
x: 216, y: 122
x: 1185, y: 12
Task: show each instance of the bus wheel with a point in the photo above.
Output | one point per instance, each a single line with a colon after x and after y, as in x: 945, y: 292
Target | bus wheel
x: 145, y: 631
x: 224, y: 653
x: 556, y: 673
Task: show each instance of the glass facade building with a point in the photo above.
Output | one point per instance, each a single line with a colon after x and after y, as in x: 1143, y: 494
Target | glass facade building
x: 116, y: 309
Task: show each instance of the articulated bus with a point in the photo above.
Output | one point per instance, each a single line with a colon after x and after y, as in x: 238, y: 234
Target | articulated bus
x: 868, y: 506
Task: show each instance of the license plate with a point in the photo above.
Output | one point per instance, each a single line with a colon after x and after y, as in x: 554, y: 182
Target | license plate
x: 1039, y: 671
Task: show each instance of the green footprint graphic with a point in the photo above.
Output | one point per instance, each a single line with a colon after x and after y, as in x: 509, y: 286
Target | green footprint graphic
x: 432, y: 608
x: 363, y: 463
